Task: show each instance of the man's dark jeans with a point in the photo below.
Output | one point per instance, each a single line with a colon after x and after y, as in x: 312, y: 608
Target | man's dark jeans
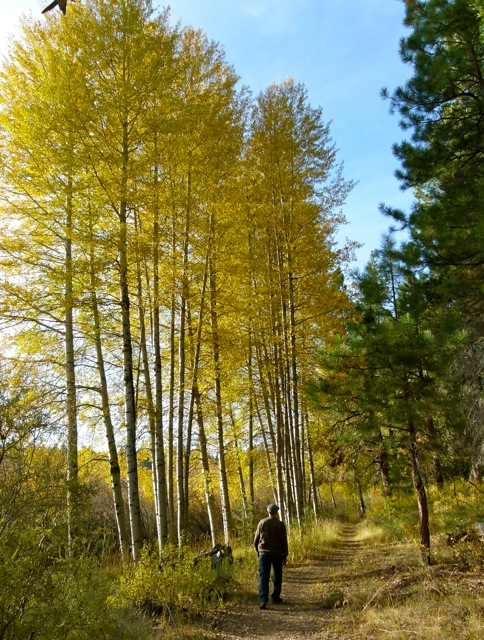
x: 266, y: 560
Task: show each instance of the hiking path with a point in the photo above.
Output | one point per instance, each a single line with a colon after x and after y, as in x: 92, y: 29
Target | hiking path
x: 312, y: 593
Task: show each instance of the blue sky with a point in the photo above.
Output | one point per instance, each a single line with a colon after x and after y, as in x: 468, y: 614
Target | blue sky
x: 343, y: 51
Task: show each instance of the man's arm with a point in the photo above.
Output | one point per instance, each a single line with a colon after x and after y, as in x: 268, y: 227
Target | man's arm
x: 257, y: 538
x: 285, y: 551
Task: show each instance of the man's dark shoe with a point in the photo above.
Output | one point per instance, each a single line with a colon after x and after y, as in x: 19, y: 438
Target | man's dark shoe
x: 263, y: 605
x: 277, y: 600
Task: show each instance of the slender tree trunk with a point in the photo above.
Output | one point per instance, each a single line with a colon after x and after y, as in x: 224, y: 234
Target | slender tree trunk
x: 195, y: 350
x: 303, y: 426
x: 333, y: 497
x: 269, y: 459
x: 163, y: 525
x: 271, y: 408
x: 252, y: 289
x: 278, y: 392
x: 205, y: 462
x: 268, y: 394
x: 180, y: 466
x: 115, y: 471
x: 361, y: 499
x: 421, y: 492
x: 159, y: 492
x: 438, y: 474
x: 182, y: 496
x: 382, y: 461
x: 296, y: 422
x: 146, y: 368
x: 251, y: 451
x: 240, y: 473
x: 129, y: 392
x: 171, y: 405
x: 71, y: 403
x: 195, y: 404
x: 312, y: 475
x: 279, y: 425
x: 224, y: 488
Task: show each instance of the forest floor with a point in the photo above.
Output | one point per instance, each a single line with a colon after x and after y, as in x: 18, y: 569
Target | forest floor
x: 362, y: 591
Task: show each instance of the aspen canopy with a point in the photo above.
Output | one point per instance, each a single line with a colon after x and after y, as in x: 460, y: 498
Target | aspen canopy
x: 169, y: 266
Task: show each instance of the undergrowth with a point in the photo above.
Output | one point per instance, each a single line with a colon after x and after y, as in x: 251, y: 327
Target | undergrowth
x: 173, y: 584
x: 387, y: 591
x: 314, y: 540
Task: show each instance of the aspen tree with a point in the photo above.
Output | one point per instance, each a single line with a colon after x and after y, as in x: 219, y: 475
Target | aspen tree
x: 115, y: 471
x: 199, y: 152
x: 296, y: 192
x: 41, y: 97
x: 123, y: 61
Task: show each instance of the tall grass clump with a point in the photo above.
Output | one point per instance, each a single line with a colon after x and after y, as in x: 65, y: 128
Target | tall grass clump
x: 172, y: 584
x: 373, y: 533
x: 313, y: 540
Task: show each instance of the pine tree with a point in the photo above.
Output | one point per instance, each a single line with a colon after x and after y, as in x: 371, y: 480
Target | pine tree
x: 443, y: 106
x: 391, y: 376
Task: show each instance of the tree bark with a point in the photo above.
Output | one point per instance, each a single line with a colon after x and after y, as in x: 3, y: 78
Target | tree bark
x: 129, y: 393
x: 240, y: 472
x: 71, y: 402
x: 205, y: 462
x: 171, y: 405
x: 182, y: 494
x: 224, y: 488
x: 382, y: 461
x: 114, y: 468
x: 421, y: 492
x: 195, y: 396
x: 159, y: 449
x: 312, y: 475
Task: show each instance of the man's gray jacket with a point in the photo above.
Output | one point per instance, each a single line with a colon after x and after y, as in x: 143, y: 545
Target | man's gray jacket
x: 271, y: 537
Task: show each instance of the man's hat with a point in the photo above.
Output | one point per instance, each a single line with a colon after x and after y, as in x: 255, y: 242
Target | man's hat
x: 272, y: 508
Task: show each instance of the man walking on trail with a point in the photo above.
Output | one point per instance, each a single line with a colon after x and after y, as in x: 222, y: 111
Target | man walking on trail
x: 270, y: 542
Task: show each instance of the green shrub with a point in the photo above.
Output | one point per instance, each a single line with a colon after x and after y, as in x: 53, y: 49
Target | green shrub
x: 52, y: 598
x: 455, y: 504
x: 160, y: 586
x: 395, y: 517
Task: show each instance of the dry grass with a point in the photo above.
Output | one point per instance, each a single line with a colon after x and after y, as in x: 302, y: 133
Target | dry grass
x: 391, y: 594
x: 314, y: 541
x: 388, y: 592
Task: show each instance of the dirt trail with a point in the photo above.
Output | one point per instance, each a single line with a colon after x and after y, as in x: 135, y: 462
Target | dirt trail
x: 304, y: 611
